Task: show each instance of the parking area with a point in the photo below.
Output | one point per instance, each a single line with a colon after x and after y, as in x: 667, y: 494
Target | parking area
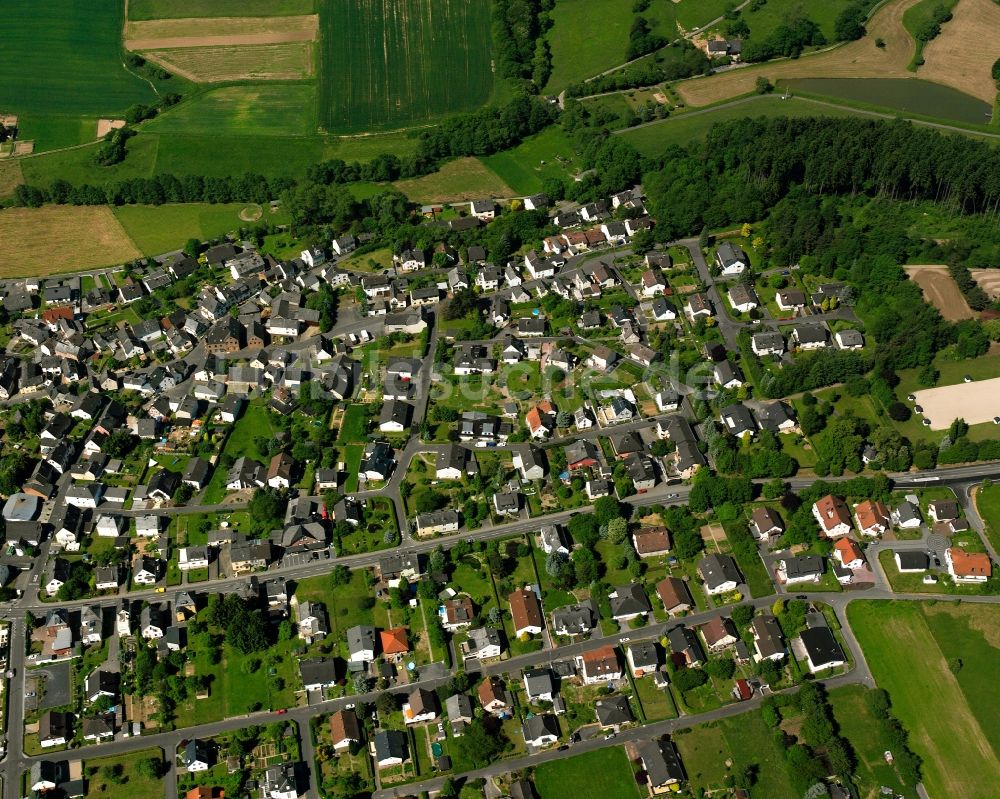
x: 57, y: 688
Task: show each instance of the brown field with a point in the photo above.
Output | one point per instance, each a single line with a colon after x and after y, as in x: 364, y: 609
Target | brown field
x: 988, y: 280
x: 940, y: 291
x: 290, y: 61
x: 10, y: 175
x: 461, y: 179
x: 61, y: 238
x: 105, y: 126
x: 949, y: 59
x: 859, y: 59
x: 271, y: 29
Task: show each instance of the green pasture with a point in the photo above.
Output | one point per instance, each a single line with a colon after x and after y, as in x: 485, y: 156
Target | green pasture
x: 62, y: 59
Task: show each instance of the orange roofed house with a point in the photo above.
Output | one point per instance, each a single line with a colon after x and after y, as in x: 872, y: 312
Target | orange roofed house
x: 968, y: 567
x: 833, y: 516
x: 394, y: 642
x: 540, y: 419
x: 599, y: 665
x: 872, y: 517
x: 204, y: 792
x: 526, y: 612
x: 848, y: 553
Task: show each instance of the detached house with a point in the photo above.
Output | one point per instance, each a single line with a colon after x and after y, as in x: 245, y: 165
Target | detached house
x: 526, y: 612
x: 731, y: 260
x: 832, y: 515
x: 873, y: 517
x: 600, y: 665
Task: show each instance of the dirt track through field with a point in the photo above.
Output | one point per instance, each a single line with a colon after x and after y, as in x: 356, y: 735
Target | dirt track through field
x: 859, y: 59
x: 220, y: 31
x: 941, y: 291
x: 962, y: 55
x: 988, y: 280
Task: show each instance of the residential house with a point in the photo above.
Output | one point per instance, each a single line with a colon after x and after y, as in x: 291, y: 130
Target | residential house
x: 345, y: 731
x: 613, y: 712
x: 573, y: 620
x: 848, y: 554
x: 458, y: 708
x: 684, y: 646
x: 541, y: 730
x: 539, y: 685
x: 872, y: 517
x: 822, y: 649
x: 650, y: 542
x: 768, y: 641
x: 731, y: 260
x: 526, y: 612
x: 361, y: 644
x: 719, y: 633
x: 719, y: 573
x: 767, y: 343
x: 629, y: 602
x: 662, y: 764
x: 800, y: 569
x: 420, y: 706
x: 493, y: 695
x: 968, y: 567
x: 390, y: 748
x: 832, y: 515
x: 643, y: 658
x: 483, y: 643
x: 765, y: 522
x: 675, y: 595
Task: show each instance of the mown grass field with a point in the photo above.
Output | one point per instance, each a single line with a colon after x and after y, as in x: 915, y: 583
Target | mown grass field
x: 157, y: 229
x: 950, y: 711
x: 135, y: 784
x: 459, y: 179
x: 277, y: 109
x: 916, y: 17
x: 388, y: 66
x: 605, y: 773
x: 10, y: 176
x: 62, y: 59
x: 165, y: 9
x: 61, y: 238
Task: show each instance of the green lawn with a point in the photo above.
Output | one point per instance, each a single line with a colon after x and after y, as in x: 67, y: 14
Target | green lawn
x: 988, y: 505
x: 165, y: 9
x: 346, y: 605
x: 605, y: 773
x: 744, y: 740
x: 656, y: 702
x: 952, y: 727
x: 63, y: 59
x: 548, y: 154
x: 157, y: 229
x: 134, y: 785
x: 384, y: 67
x: 860, y: 727
x: 354, y: 426
x: 693, y: 14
